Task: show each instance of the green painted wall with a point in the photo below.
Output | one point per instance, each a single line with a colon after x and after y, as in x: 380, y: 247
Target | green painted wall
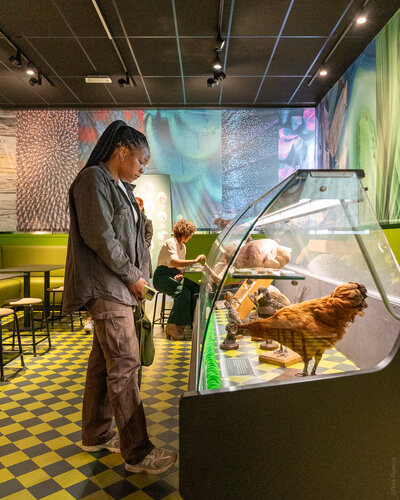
x: 200, y: 243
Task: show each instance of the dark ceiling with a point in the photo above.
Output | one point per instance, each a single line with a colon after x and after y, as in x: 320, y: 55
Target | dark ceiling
x: 273, y: 48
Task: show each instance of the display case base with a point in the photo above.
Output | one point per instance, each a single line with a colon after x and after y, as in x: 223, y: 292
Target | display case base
x: 270, y: 357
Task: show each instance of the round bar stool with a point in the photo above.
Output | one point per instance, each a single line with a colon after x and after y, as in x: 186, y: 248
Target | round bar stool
x: 164, y: 313
x: 52, y: 318
x: 6, y: 356
x: 37, y: 337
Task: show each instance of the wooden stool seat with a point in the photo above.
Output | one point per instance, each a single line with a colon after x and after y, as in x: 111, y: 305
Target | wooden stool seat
x: 5, y: 312
x: 56, y: 289
x: 27, y: 301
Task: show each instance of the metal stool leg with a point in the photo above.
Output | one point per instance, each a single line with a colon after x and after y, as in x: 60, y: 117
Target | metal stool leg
x: 16, y: 327
x: 32, y: 329
x: 1, y: 353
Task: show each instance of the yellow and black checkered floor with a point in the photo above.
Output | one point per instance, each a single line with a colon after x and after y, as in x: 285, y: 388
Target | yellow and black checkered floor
x: 40, y: 425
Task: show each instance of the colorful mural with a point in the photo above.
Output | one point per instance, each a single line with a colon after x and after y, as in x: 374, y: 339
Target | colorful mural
x: 218, y: 160
x: 359, y: 123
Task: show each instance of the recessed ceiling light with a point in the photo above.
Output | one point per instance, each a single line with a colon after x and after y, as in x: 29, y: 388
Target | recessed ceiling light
x: 97, y: 79
x: 323, y: 71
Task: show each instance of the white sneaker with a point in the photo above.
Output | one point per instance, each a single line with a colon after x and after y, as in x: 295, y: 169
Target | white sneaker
x: 89, y: 325
x: 111, y: 445
x: 157, y: 461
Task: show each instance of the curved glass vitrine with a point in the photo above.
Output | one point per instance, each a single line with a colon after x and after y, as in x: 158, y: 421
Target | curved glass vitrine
x: 302, y: 282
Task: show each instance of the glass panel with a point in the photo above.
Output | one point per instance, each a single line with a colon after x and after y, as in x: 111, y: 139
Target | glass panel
x: 314, y: 232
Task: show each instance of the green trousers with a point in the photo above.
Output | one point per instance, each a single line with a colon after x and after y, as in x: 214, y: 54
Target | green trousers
x: 183, y: 292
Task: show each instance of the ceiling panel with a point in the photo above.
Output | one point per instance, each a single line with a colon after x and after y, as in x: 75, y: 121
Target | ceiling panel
x: 19, y: 91
x: 240, y: 89
x: 197, y: 55
x: 277, y: 89
x: 157, y: 56
x: 321, y: 23
x: 198, y: 18
x: 294, y: 56
x: 164, y: 90
x: 130, y: 93
x: 82, y: 18
x: 258, y: 17
x: 146, y: 18
x: 32, y: 18
x: 197, y: 90
x: 249, y: 56
x: 64, y: 54
x: 102, y: 54
x: 93, y: 93
x: 59, y: 94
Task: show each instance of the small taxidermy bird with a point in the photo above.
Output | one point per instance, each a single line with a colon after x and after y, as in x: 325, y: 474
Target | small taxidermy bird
x: 311, y: 327
x: 267, y: 303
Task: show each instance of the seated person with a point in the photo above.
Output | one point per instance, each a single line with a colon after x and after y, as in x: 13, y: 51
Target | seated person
x: 168, y: 278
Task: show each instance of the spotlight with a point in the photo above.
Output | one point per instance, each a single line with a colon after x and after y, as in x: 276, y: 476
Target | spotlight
x: 30, y: 69
x: 35, y: 81
x: 323, y: 71
x: 220, y: 43
x: 217, y: 62
x: 16, y: 60
x: 219, y: 75
x: 211, y: 82
x: 124, y: 82
x: 361, y: 17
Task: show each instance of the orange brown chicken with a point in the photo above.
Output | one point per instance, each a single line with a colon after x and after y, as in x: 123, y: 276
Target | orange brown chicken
x: 311, y: 327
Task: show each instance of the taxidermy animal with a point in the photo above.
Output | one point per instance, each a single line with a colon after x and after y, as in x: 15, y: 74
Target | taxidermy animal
x: 229, y: 297
x: 311, y: 327
x: 263, y: 253
x: 267, y: 303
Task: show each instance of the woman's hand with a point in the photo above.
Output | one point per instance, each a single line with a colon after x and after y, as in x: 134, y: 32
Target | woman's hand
x: 178, y: 277
x: 200, y: 258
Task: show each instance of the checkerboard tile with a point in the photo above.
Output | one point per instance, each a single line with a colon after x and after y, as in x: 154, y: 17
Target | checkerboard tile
x: 40, y: 424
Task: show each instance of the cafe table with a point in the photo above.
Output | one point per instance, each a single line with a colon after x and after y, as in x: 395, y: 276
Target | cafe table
x: 27, y: 270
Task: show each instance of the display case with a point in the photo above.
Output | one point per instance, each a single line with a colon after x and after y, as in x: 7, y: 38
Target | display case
x: 294, y: 346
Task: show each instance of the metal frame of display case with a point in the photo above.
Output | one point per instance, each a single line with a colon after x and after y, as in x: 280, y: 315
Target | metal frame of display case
x: 331, y: 436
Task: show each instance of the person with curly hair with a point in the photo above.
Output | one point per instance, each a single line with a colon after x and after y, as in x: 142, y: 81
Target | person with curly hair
x: 169, y: 278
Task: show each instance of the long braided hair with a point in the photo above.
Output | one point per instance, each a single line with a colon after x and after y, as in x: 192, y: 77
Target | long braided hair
x: 118, y: 133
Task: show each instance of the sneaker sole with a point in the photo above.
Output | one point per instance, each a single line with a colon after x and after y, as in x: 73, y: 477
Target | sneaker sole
x: 92, y: 449
x: 139, y: 469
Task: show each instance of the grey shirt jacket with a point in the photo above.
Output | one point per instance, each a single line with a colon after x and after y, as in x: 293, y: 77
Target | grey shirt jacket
x: 107, y: 251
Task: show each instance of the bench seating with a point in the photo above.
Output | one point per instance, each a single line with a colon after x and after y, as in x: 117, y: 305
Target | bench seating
x: 19, y: 255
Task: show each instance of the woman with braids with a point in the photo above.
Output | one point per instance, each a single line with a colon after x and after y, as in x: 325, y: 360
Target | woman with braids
x: 168, y: 278
x: 106, y: 269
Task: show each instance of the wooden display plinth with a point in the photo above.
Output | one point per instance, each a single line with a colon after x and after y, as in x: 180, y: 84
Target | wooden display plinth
x: 271, y: 357
x: 257, y: 339
x: 228, y: 347
x: 269, y: 346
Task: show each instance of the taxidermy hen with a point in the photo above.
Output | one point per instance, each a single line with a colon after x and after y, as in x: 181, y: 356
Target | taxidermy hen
x: 311, y: 327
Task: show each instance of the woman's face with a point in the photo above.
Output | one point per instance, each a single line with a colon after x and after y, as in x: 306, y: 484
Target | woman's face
x: 134, y: 162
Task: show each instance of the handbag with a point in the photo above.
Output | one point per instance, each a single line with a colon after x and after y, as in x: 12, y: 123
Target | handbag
x: 144, y: 332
